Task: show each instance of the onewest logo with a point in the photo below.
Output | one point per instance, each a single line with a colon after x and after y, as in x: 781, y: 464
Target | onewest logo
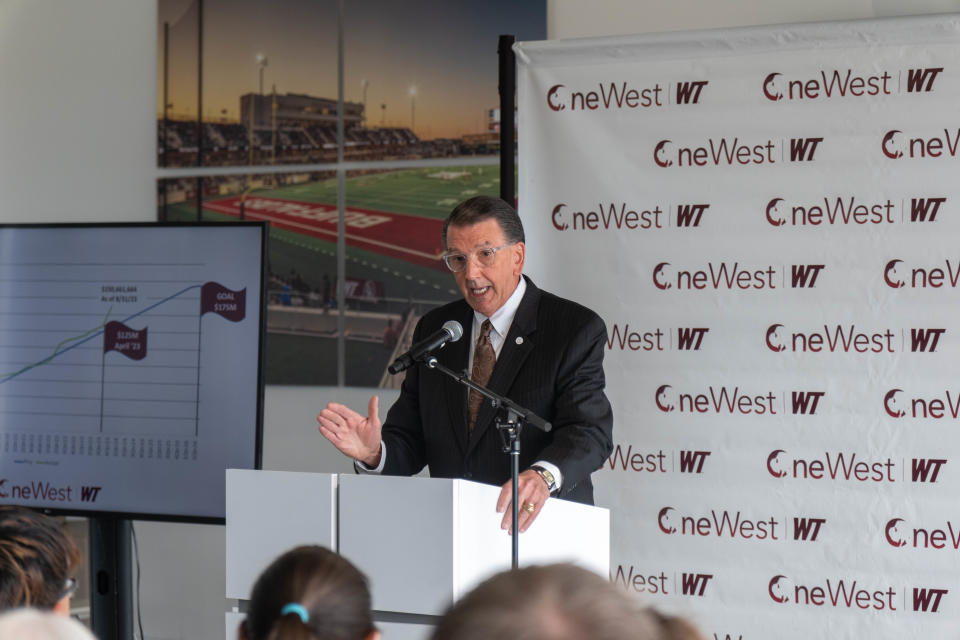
x: 896, y: 275
x: 638, y: 461
x: 923, y: 408
x: 832, y: 466
x: 720, y: 400
x: 842, y: 593
x: 947, y: 537
x: 826, y: 84
x: 608, y: 216
x: 896, y: 145
x: 837, y: 339
x: 607, y: 96
x: 718, y: 276
x: 719, y: 524
x: 730, y: 152
x: 833, y: 211
x: 640, y: 581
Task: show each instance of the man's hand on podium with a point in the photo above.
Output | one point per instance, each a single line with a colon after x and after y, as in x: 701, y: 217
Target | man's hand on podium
x: 531, y: 490
x: 355, y: 435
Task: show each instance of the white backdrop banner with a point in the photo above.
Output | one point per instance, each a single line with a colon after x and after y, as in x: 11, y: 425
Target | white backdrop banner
x: 767, y: 219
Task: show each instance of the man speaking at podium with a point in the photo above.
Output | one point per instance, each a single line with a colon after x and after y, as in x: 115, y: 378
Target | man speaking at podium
x: 540, y: 351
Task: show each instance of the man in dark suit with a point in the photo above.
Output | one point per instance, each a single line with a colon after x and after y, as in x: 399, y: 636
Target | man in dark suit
x: 541, y: 351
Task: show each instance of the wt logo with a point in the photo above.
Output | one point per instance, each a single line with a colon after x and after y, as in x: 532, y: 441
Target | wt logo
x: 806, y: 402
x: 692, y: 461
x: 89, y: 494
x: 690, y: 338
x: 804, y: 276
x: 689, y: 214
x: 694, y: 584
x: 803, y: 149
x: 922, y: 79
x: 689, y: 92
x: 920, y: 208
x: 926, y: 469
x: 925, y: 340
x: 928, y: 600
x: 807, y: 528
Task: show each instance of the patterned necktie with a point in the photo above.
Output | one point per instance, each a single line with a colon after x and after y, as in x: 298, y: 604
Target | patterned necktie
x: 483, y: 360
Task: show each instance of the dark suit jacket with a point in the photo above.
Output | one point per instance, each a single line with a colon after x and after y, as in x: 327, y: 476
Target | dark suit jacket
x: 551, y: 362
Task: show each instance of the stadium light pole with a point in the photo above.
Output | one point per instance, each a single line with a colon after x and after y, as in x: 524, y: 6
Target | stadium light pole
x: 364, y: 84
x: 413, y: 98
x: 383, y: 114
x: 261, y: 62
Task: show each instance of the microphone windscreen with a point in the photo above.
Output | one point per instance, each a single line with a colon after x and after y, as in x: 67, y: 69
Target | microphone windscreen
x: 454, y: 328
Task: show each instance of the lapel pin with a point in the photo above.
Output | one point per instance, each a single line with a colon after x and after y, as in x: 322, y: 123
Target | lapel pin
x: 519, y: 340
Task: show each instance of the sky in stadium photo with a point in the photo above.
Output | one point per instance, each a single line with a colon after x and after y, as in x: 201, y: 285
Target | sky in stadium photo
x: 430, y: 65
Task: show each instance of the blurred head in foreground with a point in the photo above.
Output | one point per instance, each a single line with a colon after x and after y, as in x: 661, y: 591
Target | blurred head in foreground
x: 555, y: 602
x: 37, y: 561
x: 33, y: 624
x: 310, y: 593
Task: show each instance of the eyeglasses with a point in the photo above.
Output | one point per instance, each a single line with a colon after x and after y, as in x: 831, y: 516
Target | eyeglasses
x: 457, y: 262
x: 69, y: 588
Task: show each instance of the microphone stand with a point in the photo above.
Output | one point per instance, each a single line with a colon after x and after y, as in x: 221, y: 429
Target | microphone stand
x: 510, y: 420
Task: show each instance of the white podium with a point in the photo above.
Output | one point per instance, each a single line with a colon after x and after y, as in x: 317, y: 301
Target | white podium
x: 269, y: 513
x: 423, y: 542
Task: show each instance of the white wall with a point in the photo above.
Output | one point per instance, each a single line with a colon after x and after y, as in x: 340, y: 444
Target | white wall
x: 77, y: 143
x: 77, y: 110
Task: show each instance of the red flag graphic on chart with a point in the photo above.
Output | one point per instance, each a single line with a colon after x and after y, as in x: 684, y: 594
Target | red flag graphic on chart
x: 121, y: 338
x: 216, y: 298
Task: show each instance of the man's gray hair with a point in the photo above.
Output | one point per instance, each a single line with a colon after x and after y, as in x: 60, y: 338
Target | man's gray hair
x: 480, y: 208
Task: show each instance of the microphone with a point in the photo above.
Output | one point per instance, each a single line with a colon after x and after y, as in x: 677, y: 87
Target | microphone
x: 451, y: 332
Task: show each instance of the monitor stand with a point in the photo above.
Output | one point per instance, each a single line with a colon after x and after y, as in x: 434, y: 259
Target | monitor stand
x: 111, y: 578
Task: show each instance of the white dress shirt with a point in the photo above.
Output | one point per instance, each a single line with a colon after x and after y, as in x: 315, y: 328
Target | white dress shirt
x: 500, y: 322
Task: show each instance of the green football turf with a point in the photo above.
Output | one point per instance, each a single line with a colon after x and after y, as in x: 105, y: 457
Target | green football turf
x: 304, y: 360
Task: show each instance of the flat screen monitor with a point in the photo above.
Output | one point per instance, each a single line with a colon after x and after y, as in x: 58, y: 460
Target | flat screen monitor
x: 130, y: 366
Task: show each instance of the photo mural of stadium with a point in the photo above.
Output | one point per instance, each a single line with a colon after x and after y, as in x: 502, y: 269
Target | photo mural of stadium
x: 414, y: 90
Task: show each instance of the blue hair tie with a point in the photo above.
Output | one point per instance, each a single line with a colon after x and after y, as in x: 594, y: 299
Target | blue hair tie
x: 297, y: 608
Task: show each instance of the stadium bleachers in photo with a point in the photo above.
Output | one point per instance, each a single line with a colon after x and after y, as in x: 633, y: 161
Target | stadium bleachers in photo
x: 226, y: 144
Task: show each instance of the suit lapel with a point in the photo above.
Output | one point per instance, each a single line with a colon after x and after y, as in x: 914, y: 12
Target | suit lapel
x: 455, y: 356
x: 516, y: 347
